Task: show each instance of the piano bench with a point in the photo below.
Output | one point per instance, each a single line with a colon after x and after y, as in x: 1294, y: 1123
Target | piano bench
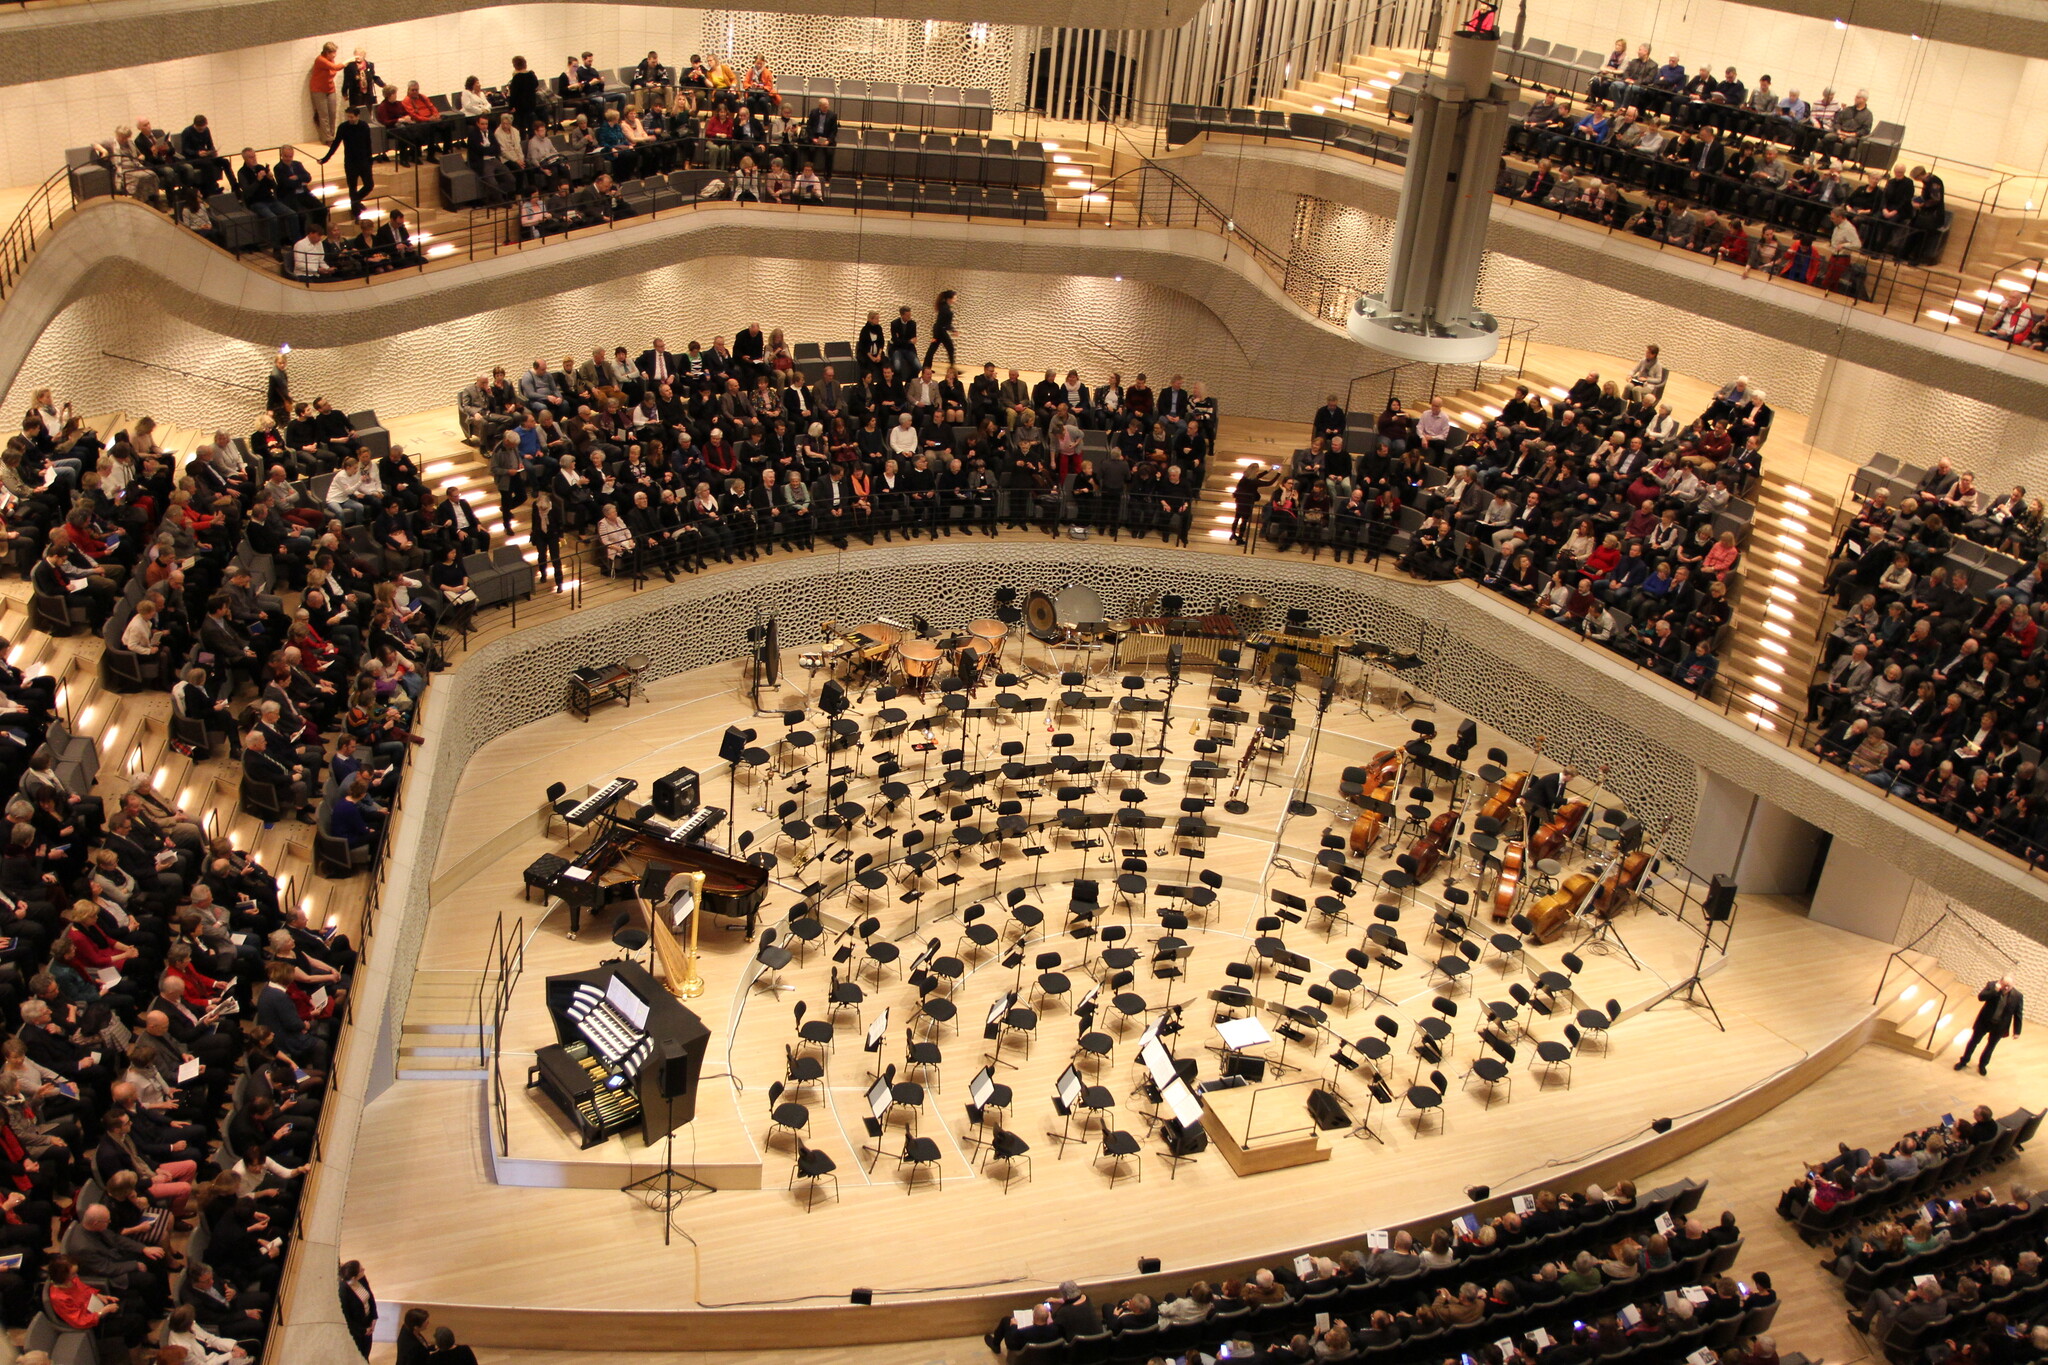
x: 541, y: 874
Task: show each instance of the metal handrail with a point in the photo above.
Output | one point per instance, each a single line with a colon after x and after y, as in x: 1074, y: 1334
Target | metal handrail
x: 18, y: 245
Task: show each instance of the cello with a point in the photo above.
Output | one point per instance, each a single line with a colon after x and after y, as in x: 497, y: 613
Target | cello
x: 1428, y: 850
x: 1378, y: 786
x: 1549, y: 917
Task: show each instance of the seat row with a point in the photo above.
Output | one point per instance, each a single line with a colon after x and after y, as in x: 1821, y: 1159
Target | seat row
x: 1816, y: 1225
x: 1186, y: 122
x: 1986, y: 568
x: 1560, y: 67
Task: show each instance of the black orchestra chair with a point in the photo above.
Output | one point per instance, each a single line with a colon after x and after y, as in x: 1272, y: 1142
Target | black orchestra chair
x: 845, y: 995
x: 789, y: 1116
x: 1020, y: 1022
x: 1592, y: 1021
x: 1495, y: 1070
x: 1052, y: 982
x: 814, y: 1032
x: 801, y: 1070
x: 1421, y: 1099
x: 1552, y: 1054
x: 814, y: 1166
x: 1117, y: 1148
x: 919, y: 1153
x: 1009, y: 1149
x: 976, y: 935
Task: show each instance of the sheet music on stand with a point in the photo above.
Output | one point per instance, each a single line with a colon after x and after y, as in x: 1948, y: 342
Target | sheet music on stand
x: 877, y: 1031
x: 1068, y: 1087
x: 680, y: 906
x: 1151, y: 1033
x: 879, y: 1097
x: 1087, y: 1002
x: 1239, y: 1034
x: 1159, y: 1062
x: 1187, y: 1110
x: 996, y: 1011
x: 981, y: 1087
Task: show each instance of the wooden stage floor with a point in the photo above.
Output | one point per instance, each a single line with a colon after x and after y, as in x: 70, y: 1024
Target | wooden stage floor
x: 486, y: 1243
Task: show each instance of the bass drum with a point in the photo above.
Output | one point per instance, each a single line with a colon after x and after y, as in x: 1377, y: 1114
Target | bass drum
x: 1040, y: 616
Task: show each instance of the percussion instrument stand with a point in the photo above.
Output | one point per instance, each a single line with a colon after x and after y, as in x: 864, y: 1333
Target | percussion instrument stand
x: 1362, y: 704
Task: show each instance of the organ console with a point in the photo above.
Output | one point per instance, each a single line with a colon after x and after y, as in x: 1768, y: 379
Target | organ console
x: 626, y: 1052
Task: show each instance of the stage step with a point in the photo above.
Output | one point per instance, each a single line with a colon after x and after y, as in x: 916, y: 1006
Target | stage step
x: 1913, y: 991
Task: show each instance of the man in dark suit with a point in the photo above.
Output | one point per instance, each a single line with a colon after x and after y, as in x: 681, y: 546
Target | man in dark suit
x: 1545, y: 794
x: 2001, y: 1012
x: 352, y: 140
x: 821, y: 135
x: 656, y: 365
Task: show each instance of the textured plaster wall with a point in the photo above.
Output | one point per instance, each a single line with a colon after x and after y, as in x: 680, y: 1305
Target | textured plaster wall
x: 1094, y: 323
x: 1971, y: 944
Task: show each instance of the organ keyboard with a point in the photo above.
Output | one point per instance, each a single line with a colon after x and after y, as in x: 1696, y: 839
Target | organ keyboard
x: 600, y: 801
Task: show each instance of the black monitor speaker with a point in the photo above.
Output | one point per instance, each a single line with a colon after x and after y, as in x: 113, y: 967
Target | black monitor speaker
x: 1720, y: 900
x: 732, y: 744
x: 1327, y: 1110
x: 676, y: 793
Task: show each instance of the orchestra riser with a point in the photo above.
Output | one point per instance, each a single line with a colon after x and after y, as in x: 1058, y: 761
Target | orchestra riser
x: 1791, y: 989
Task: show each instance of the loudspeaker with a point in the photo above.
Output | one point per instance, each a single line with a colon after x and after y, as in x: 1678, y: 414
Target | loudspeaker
x: 1720, y: 900
x: 732, y: 744
x: 1148, y: 1265
x: 675, y: 795
x: 1184, y: 1141
x: 832, y: 698
x: 1468, y: 733
x: 863, y: 1297
x: 1327, y: 1110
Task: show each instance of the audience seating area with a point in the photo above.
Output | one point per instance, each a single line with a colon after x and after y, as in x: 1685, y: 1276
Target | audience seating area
x: 1929, y: 1257
x: 1931, y: 685
x: 1515, y: 506
x: 1607, y: 1274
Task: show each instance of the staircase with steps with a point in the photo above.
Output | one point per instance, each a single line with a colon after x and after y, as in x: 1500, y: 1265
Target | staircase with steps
x: 1912, y: 1016
x: 1356, y: 88
x: 1782, y: 603
x: 438, y: 1041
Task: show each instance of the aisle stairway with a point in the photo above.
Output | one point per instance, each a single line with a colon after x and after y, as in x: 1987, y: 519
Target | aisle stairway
x: 439, y: 1038
x: 1355, y: 89
x: 131, y: 732
x: 1779, y: 611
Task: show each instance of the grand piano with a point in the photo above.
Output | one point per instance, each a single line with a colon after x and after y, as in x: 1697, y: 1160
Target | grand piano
x: 626, y: 1053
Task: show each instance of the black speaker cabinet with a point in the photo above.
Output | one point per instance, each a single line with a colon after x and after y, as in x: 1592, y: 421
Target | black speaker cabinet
x: 732, y: 744
x: 676, y: 795
x: 1327, y: 1110
x: 1720, y: 900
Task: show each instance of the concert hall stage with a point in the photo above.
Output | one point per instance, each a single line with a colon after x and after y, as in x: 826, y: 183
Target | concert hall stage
x: 536, y: 1246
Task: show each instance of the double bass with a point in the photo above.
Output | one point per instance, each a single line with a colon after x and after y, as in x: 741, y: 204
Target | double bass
x: 1514, y: 856
x: 1378, y: 786
x: 1549, y: 916
x: 1548, y: 841
x: 1618, y: 887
